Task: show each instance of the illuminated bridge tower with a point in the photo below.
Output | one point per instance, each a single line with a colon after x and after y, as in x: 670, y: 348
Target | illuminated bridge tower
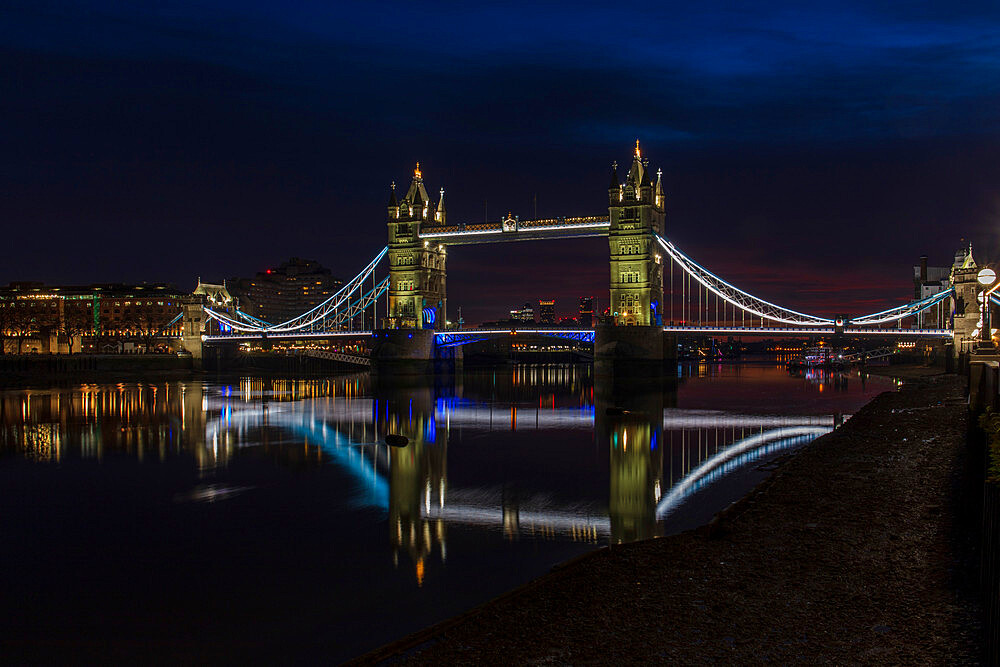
x: 636, y: 212
x: 965, y: 306
x: 417, y: 297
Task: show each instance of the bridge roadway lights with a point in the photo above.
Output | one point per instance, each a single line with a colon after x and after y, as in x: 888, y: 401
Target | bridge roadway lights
x: 411, y: 351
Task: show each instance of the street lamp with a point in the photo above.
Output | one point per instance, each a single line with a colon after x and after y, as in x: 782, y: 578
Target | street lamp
x: 986, y: 277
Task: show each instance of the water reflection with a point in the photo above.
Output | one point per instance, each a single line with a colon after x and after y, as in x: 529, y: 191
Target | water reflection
x: 542, y: 452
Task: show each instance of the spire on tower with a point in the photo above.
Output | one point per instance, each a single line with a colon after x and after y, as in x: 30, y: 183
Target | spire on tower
x: 614, y: 176
x: 969, y: 262
x: 439, y: 215
x: 392, y: 195
x: 636, y: 174
x: 416, y: 195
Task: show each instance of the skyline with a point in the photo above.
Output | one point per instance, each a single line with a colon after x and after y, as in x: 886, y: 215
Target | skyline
x: 809, y: 155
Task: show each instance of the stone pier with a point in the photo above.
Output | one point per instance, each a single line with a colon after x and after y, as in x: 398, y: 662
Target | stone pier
x: 411, y: 352
x: 637, y: 344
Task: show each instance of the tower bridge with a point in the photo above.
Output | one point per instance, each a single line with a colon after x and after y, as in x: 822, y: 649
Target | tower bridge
x: 657, y: 292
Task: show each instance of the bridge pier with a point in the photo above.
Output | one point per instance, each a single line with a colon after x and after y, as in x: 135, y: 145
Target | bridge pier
x: 646, y: 345
x: 412, y: 352
x: 192, y: 326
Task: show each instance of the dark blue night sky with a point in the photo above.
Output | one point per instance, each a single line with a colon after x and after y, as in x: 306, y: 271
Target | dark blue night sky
x: 810, y: 154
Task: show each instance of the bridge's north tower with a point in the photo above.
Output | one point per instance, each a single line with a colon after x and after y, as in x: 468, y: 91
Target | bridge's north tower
x: 636, y: 209
x: 417, y: 298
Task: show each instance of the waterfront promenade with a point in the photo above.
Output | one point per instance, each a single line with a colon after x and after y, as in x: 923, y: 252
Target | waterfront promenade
x: 860, y: 548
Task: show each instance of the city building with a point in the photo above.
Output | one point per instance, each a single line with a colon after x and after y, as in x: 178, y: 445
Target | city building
x: 111, y: 317
x: 586, y: 311
x: 277, y: 295
x: 928, y: 281
x: 547, y: 312
x: 525, y: 314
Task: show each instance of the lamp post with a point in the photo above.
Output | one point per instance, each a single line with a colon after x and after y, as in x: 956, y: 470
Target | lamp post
x: 986, y: 277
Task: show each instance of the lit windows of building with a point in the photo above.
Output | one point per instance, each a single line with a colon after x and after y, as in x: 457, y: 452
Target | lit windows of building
x: 277, y: 295
x: 525, y: 314
x: 66, y: 318
x: 547, y: 312
x: 587, y: 311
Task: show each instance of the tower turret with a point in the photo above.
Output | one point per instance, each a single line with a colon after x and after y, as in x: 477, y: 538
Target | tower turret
x: 393, y: 204
x: 441, y: 216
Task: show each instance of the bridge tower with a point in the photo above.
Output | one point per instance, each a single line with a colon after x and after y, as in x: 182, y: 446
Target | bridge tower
x: 417, y: 298
x: 965, y: 306
x: 192, y: 327
x: 636, y: 210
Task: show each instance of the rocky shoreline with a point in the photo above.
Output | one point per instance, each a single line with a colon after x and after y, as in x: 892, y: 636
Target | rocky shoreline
x: 860, y: 548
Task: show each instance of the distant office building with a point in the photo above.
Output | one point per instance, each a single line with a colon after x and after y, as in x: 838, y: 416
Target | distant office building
x: 278, y: 295
x: 928, y: 281
x: 35, y: 317
x: 586, y: 311
x: 547, y: 312
x: 525, y: 314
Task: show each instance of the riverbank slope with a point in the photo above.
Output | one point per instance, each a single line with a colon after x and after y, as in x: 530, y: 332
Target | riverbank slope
x: 860, y: 548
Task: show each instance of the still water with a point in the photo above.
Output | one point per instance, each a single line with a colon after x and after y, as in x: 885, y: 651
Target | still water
x: 267, y: 519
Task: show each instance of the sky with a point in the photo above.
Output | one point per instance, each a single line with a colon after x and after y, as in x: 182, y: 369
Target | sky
x: 810, y: 154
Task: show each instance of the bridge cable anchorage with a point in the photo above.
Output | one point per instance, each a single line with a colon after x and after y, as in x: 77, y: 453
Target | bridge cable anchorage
x: 737, y: 297
x: 899, y: 312
x: 335, y: 310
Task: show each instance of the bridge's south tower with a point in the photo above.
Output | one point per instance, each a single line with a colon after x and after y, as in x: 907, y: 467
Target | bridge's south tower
x: 636, y: 209
x: 417, y: 298
x: 965, y: 306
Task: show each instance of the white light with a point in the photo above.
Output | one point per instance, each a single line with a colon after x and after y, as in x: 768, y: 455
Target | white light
x: 986, y: 277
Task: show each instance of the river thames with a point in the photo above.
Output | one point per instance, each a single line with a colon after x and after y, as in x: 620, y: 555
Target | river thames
x: 263, y: 518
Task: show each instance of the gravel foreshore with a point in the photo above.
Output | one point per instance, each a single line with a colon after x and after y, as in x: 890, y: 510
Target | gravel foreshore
x: 858, y: 549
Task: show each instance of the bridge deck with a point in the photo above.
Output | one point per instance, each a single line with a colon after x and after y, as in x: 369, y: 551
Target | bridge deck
x: 806, y: 331
x: 587, y: 335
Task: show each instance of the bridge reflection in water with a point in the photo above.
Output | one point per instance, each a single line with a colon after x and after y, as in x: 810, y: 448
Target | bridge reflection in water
x: 655, y: 456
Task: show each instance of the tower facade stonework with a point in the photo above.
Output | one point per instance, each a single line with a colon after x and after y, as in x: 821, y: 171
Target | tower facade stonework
x: 417, y: 297
x: 636, y: 211
x: 965, y: 306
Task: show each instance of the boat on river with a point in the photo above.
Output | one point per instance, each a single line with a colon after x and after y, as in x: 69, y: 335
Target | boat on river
x: 818, y: 357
